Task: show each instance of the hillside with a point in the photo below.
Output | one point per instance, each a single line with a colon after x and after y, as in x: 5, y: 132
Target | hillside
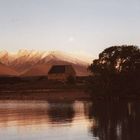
x: 36, y: 63
x: 6, y: 71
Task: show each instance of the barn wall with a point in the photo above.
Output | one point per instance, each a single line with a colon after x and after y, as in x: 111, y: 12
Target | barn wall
x: 63, y: 76
x: 59, y: 76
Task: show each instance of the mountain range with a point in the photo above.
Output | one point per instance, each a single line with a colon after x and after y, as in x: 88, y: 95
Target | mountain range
x: 37, y: 63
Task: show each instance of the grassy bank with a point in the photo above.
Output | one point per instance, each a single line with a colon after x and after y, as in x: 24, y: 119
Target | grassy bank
x: 40, y: 88
x: 44, y: 95
x: 32, y: 83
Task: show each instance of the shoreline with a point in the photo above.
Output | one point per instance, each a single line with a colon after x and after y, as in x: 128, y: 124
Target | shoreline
x: 45, y: 94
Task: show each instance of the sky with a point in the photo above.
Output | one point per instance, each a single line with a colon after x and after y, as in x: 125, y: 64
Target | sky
x: 79, y: 26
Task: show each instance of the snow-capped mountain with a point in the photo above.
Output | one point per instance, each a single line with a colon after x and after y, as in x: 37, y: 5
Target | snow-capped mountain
x: 31, y: 62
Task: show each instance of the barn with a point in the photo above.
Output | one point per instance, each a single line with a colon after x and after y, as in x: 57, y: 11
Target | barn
x: 61, y: 72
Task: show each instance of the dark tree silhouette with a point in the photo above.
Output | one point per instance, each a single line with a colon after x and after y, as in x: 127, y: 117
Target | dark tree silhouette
x: 71, y: 80
x: 116, y: 70
x: 117, y: 59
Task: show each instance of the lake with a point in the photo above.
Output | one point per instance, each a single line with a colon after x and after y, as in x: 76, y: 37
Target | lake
x: 73, y: 120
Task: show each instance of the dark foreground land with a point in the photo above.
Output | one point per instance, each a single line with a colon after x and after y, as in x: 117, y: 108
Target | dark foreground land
x: 40, y: 88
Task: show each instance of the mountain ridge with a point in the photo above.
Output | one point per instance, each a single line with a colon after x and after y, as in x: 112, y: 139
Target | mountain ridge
x: 34, y: 63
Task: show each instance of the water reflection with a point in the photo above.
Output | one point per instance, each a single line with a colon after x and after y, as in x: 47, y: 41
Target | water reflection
x: 33, y: 120
x: 22, y: 112
x: 31, y: 112
x: 90, y: 120
x: 117, y: 120
x: 60, y: 112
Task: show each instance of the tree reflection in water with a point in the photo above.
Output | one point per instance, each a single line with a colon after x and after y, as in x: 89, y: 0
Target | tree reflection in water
x: 60, y: 112
x: 115, y: 120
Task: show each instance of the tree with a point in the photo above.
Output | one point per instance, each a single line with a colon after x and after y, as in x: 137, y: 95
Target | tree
x: 116, y: 66
x: 117, y: 59
x: 71, y: 80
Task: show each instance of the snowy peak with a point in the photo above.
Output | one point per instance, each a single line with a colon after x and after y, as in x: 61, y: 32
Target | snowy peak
x: 56, y: 55
x: 23, y: 56
x: 38, y: 62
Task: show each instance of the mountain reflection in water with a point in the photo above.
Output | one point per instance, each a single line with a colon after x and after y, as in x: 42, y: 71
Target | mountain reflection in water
x: 77, y: 120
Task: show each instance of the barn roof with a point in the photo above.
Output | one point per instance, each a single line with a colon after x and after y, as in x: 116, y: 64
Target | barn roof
x: 57, y: 69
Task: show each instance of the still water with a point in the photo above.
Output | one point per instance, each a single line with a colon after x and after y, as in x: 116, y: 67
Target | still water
x: 76, y: 120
